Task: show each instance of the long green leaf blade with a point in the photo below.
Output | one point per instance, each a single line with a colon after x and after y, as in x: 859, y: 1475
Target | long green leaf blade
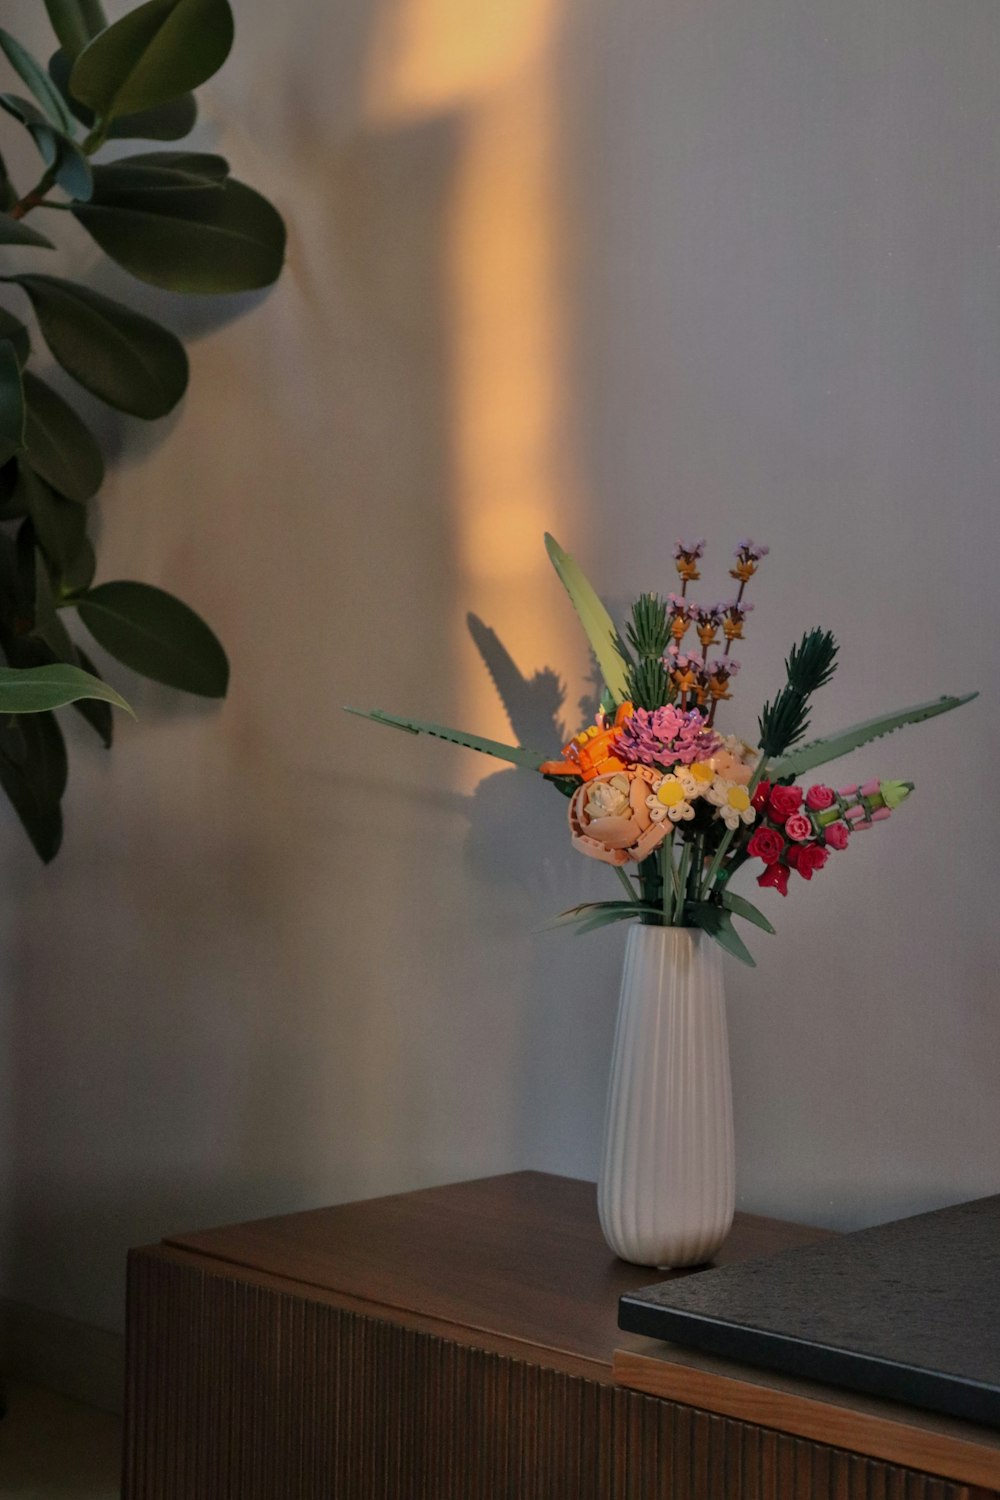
x: 11, y: 402
x: 605, y: 642
x: 32, y: 690
x: 741, y: 907
x: 530, y: 760
x: 832, y: 746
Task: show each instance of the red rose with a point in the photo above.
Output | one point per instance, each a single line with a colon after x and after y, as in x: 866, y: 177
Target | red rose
x: 783, y: 801
x: 766, y: 844
x: 761, y: 795
x: 807, y: 859
x: 798, y: 827
x: 837, y: 835
x: 776, y: 876
x: 819, y: 798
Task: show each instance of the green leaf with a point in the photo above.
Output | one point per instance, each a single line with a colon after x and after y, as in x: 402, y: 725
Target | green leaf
x: 75, y: 22
x: 154, y: 53
x: 167, y: 122
x: 17, y: 232
x: 602, y: 911
x: 95, y: 711
x: 155, y: 634
x: 61, y: 154
x: 60, y: 524
x: 121, y: 356
x: 208, y: 242
x: 58, y: 444
x: 12, y: 419
x: 718, y: 923
x: 831, y: 746
x: 121, y: 182
x: 49, y: 626
x: 530, y: 760
x: 32, y: 690
x: 38, y: 81
x: 605, y: 642
x: 741, y: 907
x: 32, y: 767
x: 12, y: 328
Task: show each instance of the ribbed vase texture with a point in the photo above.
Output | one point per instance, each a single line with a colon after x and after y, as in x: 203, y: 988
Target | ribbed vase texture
x: 667, y: 1191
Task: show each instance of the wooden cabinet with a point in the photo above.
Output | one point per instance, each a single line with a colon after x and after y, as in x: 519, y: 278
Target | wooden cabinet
x: 461, y: 1344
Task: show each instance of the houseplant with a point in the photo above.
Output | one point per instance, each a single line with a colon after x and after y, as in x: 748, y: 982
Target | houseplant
x: 654, y: 785
x: 172, y: 218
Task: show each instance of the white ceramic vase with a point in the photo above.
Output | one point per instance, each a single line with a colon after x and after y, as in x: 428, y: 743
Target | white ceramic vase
x: 666, y: 1191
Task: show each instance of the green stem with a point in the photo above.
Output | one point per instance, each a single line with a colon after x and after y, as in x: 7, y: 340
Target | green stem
x: 667, y: 876
x: 682, y: 881
x: 632, y: 894
x: 728, y: 837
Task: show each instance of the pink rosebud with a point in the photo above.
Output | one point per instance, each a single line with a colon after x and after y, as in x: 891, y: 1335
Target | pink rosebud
x: 783, y: 801
x: 870, y: 789
x: 819, y: 798
x: 798, y: 827
x: 836, y: 835
x: 880, y: 814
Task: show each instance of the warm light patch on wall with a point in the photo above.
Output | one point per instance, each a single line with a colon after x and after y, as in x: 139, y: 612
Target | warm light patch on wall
x: 492, y: 64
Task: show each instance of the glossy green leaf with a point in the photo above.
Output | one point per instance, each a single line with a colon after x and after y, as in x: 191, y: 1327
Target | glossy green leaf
x: 94, y: 711
x: 58, y: 445
x: 8, y: 192
x: 741, y: 907
x: 154, y: 53
x: 67, y: 162
x: 126, y: 359
x: 605, y: 642
x: 832, y: 746
x: 17, y: 232
x: 60, y: 524
x: 75, y: 22
x: 32, y: 690
x: 12, y: 420
x: 38, y: 81
x: 49, y: 626
x: 32, y: 766
x: 12, y: 328
x: 530, y: 760
x: 167, y: 122
x: 156, y: 635
x: 208, y: 242
x: 122, y: 182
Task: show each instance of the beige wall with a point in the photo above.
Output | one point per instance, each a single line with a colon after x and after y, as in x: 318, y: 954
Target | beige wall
x: 618, y: 271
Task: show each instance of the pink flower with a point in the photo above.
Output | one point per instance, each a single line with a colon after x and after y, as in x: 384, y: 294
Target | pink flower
x: 777, y: 876
x: 766, y: 844
x: 836, y: 835
x: 807, y: 859
x: 819, y: 798
x: 798, y: 827
x: 783, y: 801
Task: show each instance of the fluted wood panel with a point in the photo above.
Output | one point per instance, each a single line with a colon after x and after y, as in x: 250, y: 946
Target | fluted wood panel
x: 241, y: 1392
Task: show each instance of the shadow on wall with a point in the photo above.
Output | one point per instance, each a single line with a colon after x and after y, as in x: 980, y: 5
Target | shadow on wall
x: 225, y: 1024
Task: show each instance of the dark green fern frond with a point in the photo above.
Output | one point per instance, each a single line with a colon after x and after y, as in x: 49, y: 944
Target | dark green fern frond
x: 809, y: 665
x: 812, y: 663
x: 648, y: 630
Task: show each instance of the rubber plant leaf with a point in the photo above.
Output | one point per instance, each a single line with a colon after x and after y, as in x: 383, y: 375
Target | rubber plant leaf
x: 58, y: 445
x: 33, y: 690
x: 157, y: 635
x: 124, y: 358
x: 741, y: 907
x: 32, y: 771
x: 12, y: 328
x: 206, y: 241
x: 38, y: 81
x: 11, y: 402
x: 154, y: 53
x: 159, y: 172
x: 529, y: 760
x: 167, y: 122
x: 75, y: 22
x: 17, y: 232
x: 605, y: 642
x: 832, y: 746
x: 58, y: 151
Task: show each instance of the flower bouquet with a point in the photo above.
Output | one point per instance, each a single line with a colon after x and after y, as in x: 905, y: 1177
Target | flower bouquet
x: 676, y: 807
x: 660, y: 794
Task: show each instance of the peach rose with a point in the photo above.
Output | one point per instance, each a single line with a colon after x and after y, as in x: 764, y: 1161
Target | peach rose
x: 609, y: 819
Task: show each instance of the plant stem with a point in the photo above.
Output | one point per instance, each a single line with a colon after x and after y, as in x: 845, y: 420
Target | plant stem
x: 33, y: 199
x: 667, y: 865
x: 728, y: 837
x: 683, y: 875
x: 626, y: 882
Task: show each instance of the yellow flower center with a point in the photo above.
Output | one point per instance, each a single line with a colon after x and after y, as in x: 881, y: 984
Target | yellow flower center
x: 670, y: 792
x: 737, y: 797
x: 701, y: 771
